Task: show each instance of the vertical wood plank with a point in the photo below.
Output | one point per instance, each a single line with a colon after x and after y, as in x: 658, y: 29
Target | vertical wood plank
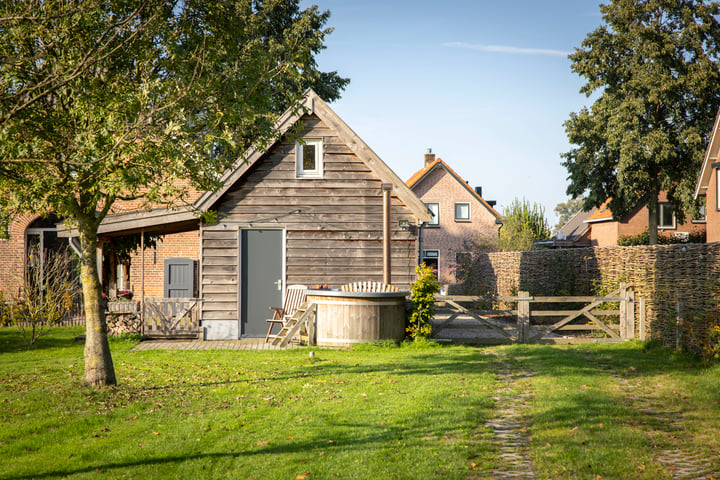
x: 523, y: 324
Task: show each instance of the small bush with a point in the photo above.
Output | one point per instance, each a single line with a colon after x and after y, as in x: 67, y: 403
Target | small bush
x: 423, y: 303
x: 49, y: 294
x: 644, y: 239
x: 702, y: 336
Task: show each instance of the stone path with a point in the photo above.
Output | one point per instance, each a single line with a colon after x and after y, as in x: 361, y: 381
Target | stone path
x: 511, y: 426
x: 665, y: 428
x: 244, y: 344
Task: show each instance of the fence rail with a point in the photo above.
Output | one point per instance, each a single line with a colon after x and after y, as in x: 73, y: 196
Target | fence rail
x: 595, y: 314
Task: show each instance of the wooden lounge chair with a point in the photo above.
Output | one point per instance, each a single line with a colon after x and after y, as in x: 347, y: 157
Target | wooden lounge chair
x: 369, y: 287
x: 294, y: 297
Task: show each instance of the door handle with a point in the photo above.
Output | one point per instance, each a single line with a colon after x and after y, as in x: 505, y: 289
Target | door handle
x: 279, y: 284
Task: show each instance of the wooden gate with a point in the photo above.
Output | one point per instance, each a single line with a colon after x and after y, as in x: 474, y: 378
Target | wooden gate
x: 611, y: 317
x: 171, y: 318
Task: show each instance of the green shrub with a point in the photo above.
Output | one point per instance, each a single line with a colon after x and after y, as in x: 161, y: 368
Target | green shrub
x: 644, y: 239
x: 423, y: 303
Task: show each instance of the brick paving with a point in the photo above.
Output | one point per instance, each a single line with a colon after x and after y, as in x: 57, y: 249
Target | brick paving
x: 243, y: 344
x: 511, y: 427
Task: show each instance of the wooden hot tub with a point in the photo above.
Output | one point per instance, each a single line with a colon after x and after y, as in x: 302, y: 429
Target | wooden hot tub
x: 344, y: 318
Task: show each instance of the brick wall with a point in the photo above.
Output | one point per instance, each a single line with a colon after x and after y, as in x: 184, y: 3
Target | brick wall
x: 176, y: 245
x: 12, y: 255
x: 450, y: 236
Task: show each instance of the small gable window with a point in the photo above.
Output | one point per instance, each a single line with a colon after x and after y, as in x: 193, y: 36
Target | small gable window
x: 309, y: 156
x: 462, y: 212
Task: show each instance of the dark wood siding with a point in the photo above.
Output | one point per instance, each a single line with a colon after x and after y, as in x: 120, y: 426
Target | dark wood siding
x: 219, y: 274
x: 333, y: 224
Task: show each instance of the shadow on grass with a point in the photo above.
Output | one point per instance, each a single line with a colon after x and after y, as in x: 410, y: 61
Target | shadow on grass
x: 11, y: 340
x: 376, y: 435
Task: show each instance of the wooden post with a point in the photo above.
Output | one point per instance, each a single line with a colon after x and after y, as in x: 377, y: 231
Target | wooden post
x: 311, y: 322
x: 142, y: 280
x: 523, y: 322
x: 642, y: 329
x: 627, y: 313
x: 387, y: 240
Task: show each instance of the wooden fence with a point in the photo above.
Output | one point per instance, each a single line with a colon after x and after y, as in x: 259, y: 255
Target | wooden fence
x: 172, y: 318
x: 597, y: 316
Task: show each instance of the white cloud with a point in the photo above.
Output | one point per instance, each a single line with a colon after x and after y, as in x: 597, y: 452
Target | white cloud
x: 507, y: 49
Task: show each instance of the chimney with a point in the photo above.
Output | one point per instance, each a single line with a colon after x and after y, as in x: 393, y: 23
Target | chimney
x: 429, y: 157
x: 478, y: 190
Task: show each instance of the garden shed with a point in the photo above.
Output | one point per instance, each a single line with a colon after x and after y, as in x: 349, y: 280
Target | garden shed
x: 307, y: 209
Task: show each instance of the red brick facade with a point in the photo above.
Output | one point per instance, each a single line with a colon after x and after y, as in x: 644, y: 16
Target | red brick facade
x: 437, y: 183
x: 12, y: 255
x: 176, y: 245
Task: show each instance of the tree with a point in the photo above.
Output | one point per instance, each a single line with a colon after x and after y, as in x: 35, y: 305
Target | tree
x: 102, y: 100
x: 523, y: 224
x: 653, y: 65
x: 567, y: 210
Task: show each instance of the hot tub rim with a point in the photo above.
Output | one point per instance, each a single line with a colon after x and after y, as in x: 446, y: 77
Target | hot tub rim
x: 337, y: 293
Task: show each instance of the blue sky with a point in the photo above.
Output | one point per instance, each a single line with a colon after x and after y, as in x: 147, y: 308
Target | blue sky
x: 486, y: 84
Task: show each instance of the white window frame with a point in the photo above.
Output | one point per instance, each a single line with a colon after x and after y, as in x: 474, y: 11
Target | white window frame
x: 301, y: 172
x: 702, y: 212
x: 462, y: 219
x: 661, y: 206
x: 717, y: 189
x: 434, y: 207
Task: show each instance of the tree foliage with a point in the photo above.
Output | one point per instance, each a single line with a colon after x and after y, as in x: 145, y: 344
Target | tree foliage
x: 106, y: 100
x: 523, y: 224
x: 653, y: 67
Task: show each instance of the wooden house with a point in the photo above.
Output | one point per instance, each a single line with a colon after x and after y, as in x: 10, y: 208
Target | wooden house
x: 708, y: 184
x: 460, y: 214
x: 308, y: 209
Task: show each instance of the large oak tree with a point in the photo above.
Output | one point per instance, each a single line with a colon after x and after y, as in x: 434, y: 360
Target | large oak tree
x: 653, y: 67
x: 102, y: 100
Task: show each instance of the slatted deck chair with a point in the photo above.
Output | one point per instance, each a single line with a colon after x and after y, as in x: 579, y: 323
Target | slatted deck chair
x: 369, y: 287
x: 294, y: 297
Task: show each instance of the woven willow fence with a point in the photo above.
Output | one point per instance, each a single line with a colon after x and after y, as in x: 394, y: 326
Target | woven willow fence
x: 665, y: 276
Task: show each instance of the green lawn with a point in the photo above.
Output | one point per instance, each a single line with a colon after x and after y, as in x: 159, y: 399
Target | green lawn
x: 376, y: 412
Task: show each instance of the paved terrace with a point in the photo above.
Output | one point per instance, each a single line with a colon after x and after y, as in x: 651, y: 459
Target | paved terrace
x: 243, y: 344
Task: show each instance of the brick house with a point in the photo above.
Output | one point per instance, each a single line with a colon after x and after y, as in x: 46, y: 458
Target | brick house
x: 460, y: 214
x: 708, y: 184
x: 605, y: 231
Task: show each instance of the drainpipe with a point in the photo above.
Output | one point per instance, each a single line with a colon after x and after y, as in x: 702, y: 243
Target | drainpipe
x: 387, y: 240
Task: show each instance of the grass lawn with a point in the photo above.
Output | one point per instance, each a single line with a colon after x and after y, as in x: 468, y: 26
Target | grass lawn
x: 376, y: 412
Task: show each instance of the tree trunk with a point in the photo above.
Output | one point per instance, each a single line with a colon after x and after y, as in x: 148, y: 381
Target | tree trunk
x: 653, y: 220
x: 99, y: 369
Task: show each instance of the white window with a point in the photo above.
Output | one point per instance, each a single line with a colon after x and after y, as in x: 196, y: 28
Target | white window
x: 666, y: 217
x: 462, y: 211
x: 431, y: 259
x: 308, y: 158
x: 435, y: 209
x: 717, y: 188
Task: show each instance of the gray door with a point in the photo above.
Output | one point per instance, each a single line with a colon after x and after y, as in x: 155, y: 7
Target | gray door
x: 179, y: 278
x: 261, y: 279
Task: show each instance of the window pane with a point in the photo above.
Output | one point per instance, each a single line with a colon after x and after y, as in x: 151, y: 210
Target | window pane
x: 309, y: 157
x: 462, y: 211
x: 666, y: 216
x: 435, y: 209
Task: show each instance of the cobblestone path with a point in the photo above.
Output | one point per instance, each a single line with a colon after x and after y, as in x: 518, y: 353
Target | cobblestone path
x: 664, y: 427
x: 511, y: 427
